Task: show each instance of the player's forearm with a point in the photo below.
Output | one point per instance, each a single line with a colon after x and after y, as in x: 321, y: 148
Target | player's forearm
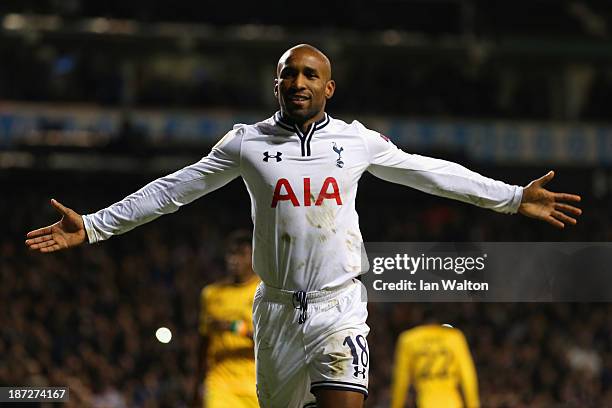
x: 469, y: 387
x: 451, y: 180
x: 472, y: 401
x: 469, y: 378
x: 119, y: 218
x: 398, y: 396
x: 162, y: 196
x: 470, y: 394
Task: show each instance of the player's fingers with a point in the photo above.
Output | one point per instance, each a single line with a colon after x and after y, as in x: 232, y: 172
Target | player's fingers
x: 545, y: 178
x: 567, y: 197
x: 564, y: 218
x: 39, y: 232
x: 45, y: 244
x: 554, y: 222
x: 60, y: 207
x: 52, y: 248
x: 39, y: 239
x: 568, y: 208
x: 36, y: 247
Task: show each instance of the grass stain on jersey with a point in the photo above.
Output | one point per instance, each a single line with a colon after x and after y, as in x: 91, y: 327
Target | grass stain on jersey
x: 322, y: 217
x: 286, y: 238
x: 353, y: 243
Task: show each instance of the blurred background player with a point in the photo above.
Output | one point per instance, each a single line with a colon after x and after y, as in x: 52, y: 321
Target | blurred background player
x: 226, y: 359
x: 435, y: 360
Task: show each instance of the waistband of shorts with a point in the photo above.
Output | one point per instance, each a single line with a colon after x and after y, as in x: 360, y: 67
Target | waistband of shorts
x: 286, y: 296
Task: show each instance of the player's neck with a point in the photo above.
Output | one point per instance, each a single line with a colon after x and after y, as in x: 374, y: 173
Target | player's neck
x: 240, y: 279
x: 303, y: 125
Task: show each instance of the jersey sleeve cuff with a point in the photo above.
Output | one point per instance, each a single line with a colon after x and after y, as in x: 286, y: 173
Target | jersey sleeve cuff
x: 516, y: 200
x: 92, y: 237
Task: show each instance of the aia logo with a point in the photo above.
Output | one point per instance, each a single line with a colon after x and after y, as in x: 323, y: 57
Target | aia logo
x: 267, y: 156
x: 284, y: 192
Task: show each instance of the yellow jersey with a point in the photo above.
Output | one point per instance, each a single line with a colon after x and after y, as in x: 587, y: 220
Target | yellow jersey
x: 230, y: 357
x: 436, y: 361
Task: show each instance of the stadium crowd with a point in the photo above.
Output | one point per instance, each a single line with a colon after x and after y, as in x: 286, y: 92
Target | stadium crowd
x: 86, y: 318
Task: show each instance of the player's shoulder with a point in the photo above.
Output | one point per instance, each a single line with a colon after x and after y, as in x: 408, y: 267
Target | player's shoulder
x: 240, y: 130
x: 268, y: 127
x: 207, y: 290
x: 429, y: 329
x: 456, y: 334
x: 368, y: 135
x: 354, y: 127
x: 233, y: 139
x: 410, y: 334
x: 213, y: 288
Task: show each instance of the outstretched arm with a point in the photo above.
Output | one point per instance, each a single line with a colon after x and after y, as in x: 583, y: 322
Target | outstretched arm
x: 438, y: 177
x: 537, y: 202
x: 69, y: 231
x: 454, y: 181
x: 162, y: 196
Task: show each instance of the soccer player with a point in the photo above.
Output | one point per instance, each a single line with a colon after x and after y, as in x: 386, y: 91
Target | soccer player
x: 301, y: 168
x: 435, y: 360
x: 226, y: 358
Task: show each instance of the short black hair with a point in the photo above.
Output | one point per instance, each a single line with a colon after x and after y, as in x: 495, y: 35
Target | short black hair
x: 238, y: 239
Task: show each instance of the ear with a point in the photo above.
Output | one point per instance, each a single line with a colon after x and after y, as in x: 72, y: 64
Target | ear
x: 330, y: 88
x: 276, y: 87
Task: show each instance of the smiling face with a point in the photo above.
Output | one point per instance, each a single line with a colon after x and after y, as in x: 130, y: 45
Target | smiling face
x: 303, y: 84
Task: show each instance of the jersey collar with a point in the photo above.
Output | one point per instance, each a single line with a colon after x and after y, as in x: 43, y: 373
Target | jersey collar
x: 305, y: 138
x: 292, y: 127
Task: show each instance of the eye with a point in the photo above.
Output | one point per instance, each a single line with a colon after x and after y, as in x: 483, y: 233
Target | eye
x: 311, y: 74
x: 287, y: 73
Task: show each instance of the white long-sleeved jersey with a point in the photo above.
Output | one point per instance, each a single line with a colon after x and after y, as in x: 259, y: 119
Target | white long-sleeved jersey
x: 302, y: 187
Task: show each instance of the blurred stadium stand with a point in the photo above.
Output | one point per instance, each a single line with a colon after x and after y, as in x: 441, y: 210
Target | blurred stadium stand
x: 98, y: 98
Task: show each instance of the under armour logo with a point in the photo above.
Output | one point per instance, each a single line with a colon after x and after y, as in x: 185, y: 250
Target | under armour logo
x: 358, y: 372
x: 339, y: 162
x: 267, y: 156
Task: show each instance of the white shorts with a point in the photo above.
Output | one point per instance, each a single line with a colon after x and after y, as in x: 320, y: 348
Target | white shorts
x: 327, y: 351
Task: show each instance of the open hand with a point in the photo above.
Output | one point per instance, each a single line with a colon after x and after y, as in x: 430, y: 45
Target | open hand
x: 66, y: 233
x: 545, y: 205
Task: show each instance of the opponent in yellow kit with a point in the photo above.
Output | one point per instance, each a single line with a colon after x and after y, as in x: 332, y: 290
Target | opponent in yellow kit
x: 436, y: 361
x: 226, y: 329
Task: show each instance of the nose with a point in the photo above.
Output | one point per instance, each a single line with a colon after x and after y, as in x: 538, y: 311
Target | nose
x: 299, y: 82
x: 231, y: 260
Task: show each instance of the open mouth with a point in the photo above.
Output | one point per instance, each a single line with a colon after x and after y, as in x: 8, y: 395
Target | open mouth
x: 298, y: 98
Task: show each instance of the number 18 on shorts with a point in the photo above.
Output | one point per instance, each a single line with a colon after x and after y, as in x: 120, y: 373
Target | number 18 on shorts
x: 328, y: 350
